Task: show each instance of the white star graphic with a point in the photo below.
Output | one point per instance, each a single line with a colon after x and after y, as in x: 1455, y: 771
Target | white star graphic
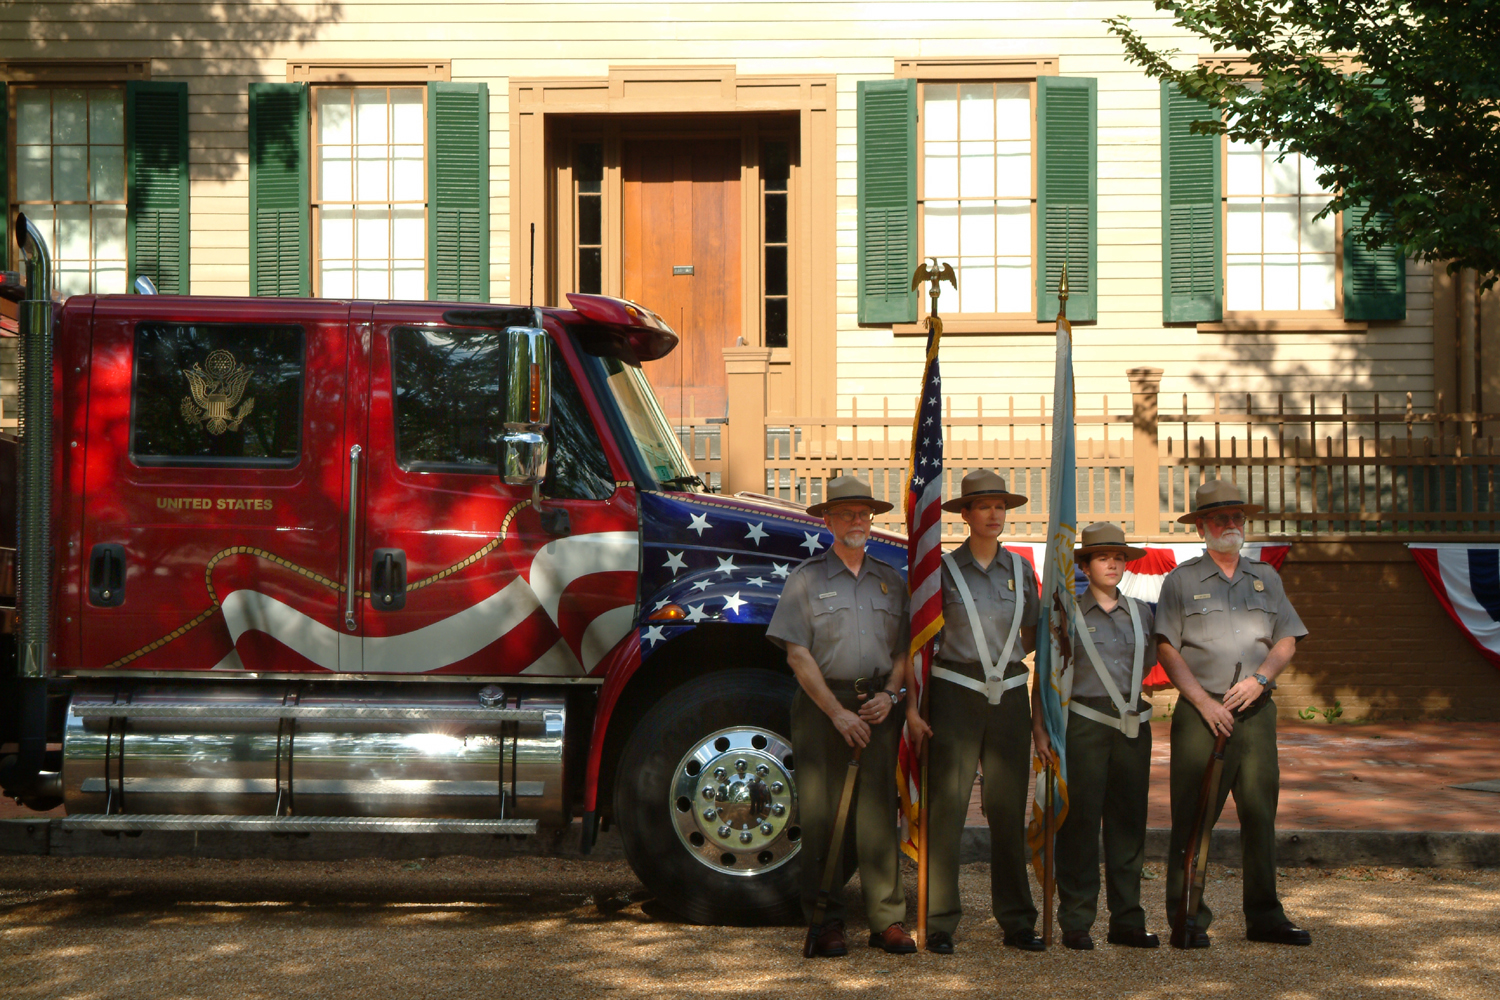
x: 933, y: 400
x: 653, y: 634
x: 702, y: 585
x: 923, y: 460
x: 811, y: 543
x: 727, y: 566
x: 732, y: 603
x: 780, y: 569
x: 927, y: 442
x: 662, y: 603
x: 757, y: 532
x: 699, y: 524
x: 695, y: 613
x: 936, y: 380
x: 925, y: 423
x: 757, y: 581
x: 918, y: 481
x: 674, y: 561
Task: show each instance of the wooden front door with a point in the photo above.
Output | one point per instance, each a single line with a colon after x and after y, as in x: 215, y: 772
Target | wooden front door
x: 682, y: 210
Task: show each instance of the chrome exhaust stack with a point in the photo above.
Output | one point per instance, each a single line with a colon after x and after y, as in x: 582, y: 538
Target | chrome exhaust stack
x: 20, y: 772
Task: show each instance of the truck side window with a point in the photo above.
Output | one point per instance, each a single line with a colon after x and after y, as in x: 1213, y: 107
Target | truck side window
x: 217, y: 394
x: 577, y: 469
x: 447, y: 401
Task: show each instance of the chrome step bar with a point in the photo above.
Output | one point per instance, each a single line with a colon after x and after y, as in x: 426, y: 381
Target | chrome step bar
x: 126, y: 822
x: 323, y: 713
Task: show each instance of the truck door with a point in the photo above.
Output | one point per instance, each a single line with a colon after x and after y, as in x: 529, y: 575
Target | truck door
x: 460, y: 573
x: 215, y: 485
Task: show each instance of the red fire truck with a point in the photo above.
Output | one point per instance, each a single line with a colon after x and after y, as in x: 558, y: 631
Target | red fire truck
x: 300, y: 565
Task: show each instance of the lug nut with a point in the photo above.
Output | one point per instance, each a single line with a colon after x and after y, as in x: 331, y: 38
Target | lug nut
x: 777, y: 788
x: 741, y: 764
x: 746, y: 837
x: 762, y: 769
x: 724, y: 831
x: 778, y: 809
x: 719, y: 773
x: 708, y: 791
x: 767, y: 829
x: 710, y: 814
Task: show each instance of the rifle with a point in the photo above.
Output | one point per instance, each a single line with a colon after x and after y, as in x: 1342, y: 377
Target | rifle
x: 1195, y: 859
x: 1049, y: 844
x: 835, y: 849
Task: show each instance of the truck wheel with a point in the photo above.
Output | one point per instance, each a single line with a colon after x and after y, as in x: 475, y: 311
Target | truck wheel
x: 706, y: 800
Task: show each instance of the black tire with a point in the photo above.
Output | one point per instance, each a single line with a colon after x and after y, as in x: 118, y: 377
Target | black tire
x: 644, y: 785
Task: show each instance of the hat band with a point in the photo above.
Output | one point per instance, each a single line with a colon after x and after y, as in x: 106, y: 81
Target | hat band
x: 1221, y: 503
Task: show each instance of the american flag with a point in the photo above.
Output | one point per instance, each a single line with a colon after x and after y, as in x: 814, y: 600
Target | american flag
x: 924, y: 532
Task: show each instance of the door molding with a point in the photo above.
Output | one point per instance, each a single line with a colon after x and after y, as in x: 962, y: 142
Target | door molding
x: 694, y: 89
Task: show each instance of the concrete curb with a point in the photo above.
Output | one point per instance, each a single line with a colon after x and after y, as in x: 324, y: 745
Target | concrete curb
x: 1294, y: 848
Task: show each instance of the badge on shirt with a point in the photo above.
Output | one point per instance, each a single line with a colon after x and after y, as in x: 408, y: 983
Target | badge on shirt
x: 1202, y: 597
x: 1092, y: 629
x: 1010, y: 585
x: 1259, y: 585
x: 831, y: 593
x: 886, y: 590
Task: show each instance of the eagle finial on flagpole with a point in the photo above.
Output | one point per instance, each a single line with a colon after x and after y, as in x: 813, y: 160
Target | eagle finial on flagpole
x: 934, y: 274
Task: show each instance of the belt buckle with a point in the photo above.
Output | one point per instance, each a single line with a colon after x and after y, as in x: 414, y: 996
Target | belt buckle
x: 864, y: 685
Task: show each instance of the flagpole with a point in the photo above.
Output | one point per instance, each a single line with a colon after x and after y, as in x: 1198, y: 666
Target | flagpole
x: 1049, y: 820
x: 924, y: 708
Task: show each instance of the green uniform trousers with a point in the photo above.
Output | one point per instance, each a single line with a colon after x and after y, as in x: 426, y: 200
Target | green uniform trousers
x: 968, y: 731
x: 1252, y: 773
x: 822, y: 759
x: 1109, y: 775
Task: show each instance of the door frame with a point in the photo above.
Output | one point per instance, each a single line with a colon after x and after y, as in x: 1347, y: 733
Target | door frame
x: 799, y: 381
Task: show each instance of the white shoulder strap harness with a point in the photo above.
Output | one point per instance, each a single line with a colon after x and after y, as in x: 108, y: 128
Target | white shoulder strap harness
x: 1129, y: 721
x: 995, y: 682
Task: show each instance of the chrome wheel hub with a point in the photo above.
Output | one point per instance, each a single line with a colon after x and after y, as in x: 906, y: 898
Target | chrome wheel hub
x: 734, y: 802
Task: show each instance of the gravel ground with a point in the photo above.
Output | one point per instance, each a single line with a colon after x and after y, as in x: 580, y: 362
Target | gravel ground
x: 549, y: 927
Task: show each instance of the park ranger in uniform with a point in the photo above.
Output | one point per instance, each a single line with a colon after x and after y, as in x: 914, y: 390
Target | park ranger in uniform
x: 1109, y: 749
x: 1225, y: 629
x: 843, y: 620
x: 980, y: 714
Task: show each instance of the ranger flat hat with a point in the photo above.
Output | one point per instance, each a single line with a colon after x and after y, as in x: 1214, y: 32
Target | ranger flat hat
x: 983, y: 483
x: 1105, y: 536
x: 848, y: 489
x: 1218, y: 495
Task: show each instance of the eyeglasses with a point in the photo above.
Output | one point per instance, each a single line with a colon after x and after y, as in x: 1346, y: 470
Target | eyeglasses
x: 852, y: 515
x: 1235, y: 520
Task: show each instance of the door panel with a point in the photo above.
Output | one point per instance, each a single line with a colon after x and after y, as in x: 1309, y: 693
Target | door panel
x: 488, y: 591
x: 682, y: 208
x: 214, y: 460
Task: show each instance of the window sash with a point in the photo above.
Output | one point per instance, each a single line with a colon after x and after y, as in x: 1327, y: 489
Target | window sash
x: 995, y: 217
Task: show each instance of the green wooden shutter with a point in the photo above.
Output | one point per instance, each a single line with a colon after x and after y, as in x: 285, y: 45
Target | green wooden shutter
x: 458, y: 191
x: 280, y: 230
x: 887, y: 200
x: 1374, y: 280
x: 5, y: 181
x: 156, y: 153
x: 1192, y: 227
x: 1067, y: 200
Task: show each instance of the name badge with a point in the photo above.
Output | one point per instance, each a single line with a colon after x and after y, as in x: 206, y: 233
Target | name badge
x: 1259, y: 585
x: 831, y: 593
x: 1202, y: 597
x: 1093, y: 629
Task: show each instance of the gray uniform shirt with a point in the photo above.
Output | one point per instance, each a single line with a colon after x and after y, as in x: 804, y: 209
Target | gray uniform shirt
x: 1215, y: 623
x: 1114, y: 638
x: 995, y: 591
x: 854, y: 627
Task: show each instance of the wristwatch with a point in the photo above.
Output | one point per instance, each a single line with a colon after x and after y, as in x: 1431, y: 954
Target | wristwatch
x: 896, y: 696
x: 1262, y: 679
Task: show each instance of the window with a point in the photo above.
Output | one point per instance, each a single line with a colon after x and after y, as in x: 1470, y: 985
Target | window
x: 370, y: 201
x: 70, y: 181
x: 976, y: 199
x: 217, y: 394
x: 448, y: 414
x: 1278, y: 257
x: 775, y: 178
x: 588, y: 180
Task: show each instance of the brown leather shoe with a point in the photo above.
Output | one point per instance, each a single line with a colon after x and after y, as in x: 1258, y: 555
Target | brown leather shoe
x: 1078, y: 940
x: 894, y: 940
x: 829, y: 942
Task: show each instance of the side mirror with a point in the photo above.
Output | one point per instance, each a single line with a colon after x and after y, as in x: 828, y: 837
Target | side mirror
x: 144, y: 285
x: 528, y: 406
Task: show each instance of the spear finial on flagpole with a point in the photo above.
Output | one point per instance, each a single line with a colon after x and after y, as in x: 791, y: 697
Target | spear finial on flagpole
x: 1062, y: 293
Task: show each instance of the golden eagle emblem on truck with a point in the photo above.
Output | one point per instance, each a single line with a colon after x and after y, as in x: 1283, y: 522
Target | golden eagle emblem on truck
x: 215, y: 389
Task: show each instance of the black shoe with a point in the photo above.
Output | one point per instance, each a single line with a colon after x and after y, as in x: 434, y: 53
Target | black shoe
x: 1286, y: 933
x: 1078, y: 940
x: 1026, y: 940
x: 1135, y: 939
x: 1198, y: 939
x: 940, y: 943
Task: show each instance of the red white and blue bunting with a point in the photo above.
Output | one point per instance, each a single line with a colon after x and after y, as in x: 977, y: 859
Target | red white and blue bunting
x: 1466, y: 580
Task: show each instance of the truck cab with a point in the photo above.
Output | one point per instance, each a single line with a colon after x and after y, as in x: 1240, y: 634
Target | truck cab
x: 330, y: 565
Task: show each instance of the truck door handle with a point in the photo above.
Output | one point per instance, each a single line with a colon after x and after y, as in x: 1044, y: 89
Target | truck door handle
x: 350, y: 566
x: 107, y: 575
x: 388, y: 580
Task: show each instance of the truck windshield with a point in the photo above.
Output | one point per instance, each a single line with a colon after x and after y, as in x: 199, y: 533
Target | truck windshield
x: 653, y: 435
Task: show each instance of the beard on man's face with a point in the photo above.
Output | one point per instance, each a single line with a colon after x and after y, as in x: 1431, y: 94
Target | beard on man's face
x: 1230, y: 540
x: 855, y: 538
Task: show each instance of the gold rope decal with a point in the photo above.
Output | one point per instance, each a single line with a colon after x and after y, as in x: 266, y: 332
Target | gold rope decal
x: 246, y: 550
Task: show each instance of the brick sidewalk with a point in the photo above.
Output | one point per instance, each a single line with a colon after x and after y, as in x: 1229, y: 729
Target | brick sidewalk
x: 1391, y: 776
